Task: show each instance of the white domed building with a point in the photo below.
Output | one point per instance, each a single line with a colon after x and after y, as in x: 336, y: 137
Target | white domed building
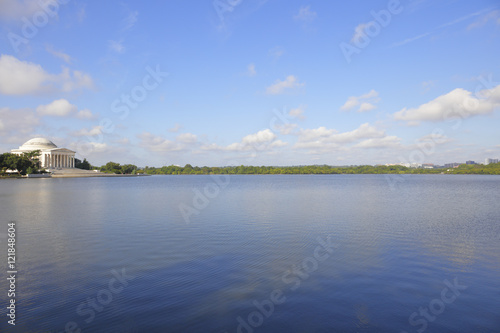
x: 51, y: 157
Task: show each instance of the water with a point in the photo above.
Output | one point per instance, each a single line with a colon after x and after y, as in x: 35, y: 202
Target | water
x: 151, y: 254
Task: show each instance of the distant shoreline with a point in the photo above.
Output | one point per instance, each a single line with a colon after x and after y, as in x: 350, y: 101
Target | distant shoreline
x: 253, y: 174
x: 491, y: 169
x: 463, y: 169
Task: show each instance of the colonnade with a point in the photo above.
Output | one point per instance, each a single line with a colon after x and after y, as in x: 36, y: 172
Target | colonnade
x: 55, y: 160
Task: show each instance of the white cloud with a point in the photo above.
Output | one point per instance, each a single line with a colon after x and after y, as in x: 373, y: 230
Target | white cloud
x: 93, y: 131
x: 305, y: 14
x: 365, y: 102
x: 57, y: 108
x: 156, y: 143
x: 89, y: 148
x: 263, y: 140
x: 187, y: 138
x: 19, y: 77
x: 123, y: 141
x: 437, y: 138
x: 324, y: 139
x: 286, y: 129
x: 280, y: 87
x: 251, y: 70
x: 315, y: 135
x: 264, y: 136
x: 63, y: 108
x: 366, y: 107
x: 458, y: 103
x: 385, y: 142
x: 75, y: 80
x: 298, y: 112
x: 116, y: 46
x: 278, y: 143
x: 85, y: 114
x: 25, y: 78
x: 61, y: 55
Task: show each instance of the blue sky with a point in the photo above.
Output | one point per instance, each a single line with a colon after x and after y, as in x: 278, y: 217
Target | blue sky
x: 277, y: 82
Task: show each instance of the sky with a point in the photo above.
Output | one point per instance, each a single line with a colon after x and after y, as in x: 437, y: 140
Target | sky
x: 253, y: 82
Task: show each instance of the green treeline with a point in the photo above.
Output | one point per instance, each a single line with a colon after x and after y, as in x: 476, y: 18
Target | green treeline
x: 270, y: 170
x: 477, y: 169
x: 28, y: 163
x: 116, y: 168
x: 491, y: 169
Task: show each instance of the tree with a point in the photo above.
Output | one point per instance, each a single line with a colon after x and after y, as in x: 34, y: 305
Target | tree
x: 128, y: 168
x: 33, y: 157
x: 31, y: 170
x: 20, y: 163
x: 112, y: 167
x: 85, y: 165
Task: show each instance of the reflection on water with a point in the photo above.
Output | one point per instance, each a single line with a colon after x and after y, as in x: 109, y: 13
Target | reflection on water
x: 248, y: 261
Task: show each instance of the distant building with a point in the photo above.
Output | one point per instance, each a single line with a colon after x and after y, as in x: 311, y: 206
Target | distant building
x: 408, y: 165
x: 51, y: 156
x: 428, y: 166
x: 451, y: 165
x: 470, y: 162
x: 490, y: 160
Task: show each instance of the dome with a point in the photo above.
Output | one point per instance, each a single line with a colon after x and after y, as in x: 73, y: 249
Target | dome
x: 38, y: 143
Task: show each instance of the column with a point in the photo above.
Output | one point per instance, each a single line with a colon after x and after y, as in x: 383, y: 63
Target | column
x: 73, y: 161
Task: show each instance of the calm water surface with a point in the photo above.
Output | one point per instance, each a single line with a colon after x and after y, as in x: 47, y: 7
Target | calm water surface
x: 285, y: 253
